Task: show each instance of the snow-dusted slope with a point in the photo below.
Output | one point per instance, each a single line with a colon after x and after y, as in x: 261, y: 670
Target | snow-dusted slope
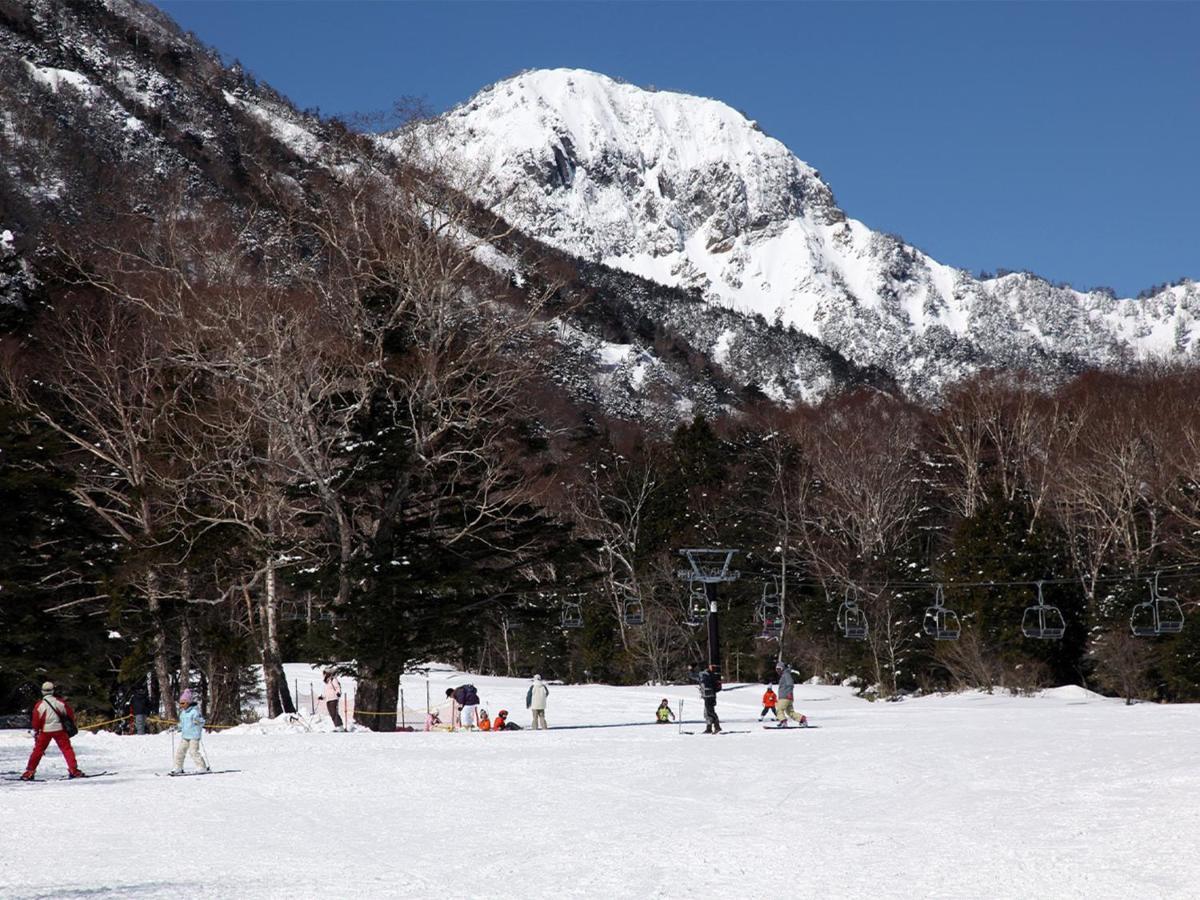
x: 969, y: 796
x: 688, y: 192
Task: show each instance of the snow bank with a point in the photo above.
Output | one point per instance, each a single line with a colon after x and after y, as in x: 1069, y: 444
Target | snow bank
x: 287, y: 723
x: 1071, y: 692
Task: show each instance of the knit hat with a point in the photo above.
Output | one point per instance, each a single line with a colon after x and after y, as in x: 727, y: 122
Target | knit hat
x: 537, y: 677
x: 48, y: 687
x: 186, y: 696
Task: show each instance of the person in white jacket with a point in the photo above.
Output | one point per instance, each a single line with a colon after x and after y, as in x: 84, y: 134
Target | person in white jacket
x: 535, y: 702
x: 331, y: 694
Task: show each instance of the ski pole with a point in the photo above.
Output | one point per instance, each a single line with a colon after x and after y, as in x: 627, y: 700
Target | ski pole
x: 681, y: 715
x: 205, y: 754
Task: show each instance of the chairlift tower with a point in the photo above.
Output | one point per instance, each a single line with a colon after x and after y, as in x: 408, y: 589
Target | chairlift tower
x: 710, y: 567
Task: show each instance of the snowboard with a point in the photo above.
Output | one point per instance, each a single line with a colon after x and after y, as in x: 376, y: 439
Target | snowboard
x: 190, y: 774
x: 789, y: 727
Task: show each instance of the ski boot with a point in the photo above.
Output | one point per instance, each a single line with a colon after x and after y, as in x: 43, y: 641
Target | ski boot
x: 76, y: 774
x: 27, y: 776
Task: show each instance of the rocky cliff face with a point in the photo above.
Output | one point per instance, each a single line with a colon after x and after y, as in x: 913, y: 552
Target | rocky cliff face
x: 687, y: 192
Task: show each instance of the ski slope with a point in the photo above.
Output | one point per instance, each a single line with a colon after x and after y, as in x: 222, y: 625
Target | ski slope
x: 1062, y: 795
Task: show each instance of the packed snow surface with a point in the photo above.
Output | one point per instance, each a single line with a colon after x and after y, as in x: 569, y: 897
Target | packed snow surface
x: 1062, y: 795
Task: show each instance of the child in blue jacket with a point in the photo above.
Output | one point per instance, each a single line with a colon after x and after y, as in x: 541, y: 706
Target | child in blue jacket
x: 191, y: 729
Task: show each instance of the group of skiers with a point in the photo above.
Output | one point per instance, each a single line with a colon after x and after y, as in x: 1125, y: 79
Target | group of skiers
x: 466, y: 714
x: 54, y: 720
x: 781, y: 704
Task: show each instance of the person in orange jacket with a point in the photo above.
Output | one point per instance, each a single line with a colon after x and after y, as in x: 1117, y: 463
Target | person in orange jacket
x: 485, y: 724
x: 50, y: 717
x: 500, y: 721
x: 769, y: 699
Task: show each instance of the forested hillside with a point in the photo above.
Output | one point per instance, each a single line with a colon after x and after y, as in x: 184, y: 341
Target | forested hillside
x: 272, y: 388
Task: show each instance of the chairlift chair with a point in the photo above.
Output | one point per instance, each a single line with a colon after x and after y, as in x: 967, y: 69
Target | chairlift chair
x: 852, y: 621
x: 572, y: 614
x: 770, y: 614
x: 1158, y: 615
x: 941, y: 623
x: 697, y: 608
x: 772, y: 628
x: 633, y: 611
x: 1043, y: 622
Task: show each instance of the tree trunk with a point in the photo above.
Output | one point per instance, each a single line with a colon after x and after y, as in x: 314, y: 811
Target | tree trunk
x: 376, y: 698
x: 162, y: 671
x: 507, y: 646
x: 279, y: 696
x: 185, y: 652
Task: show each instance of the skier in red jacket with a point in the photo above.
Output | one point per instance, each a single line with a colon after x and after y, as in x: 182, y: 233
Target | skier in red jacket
x: 49, y: 717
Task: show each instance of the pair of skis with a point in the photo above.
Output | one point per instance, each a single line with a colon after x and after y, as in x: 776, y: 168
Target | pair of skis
x: 16, y: 776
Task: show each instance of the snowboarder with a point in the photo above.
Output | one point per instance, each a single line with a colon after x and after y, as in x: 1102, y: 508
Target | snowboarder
x: 769, y: 699
x: 139, y: 708
x: 331, y: 694
x: 53, y: 720
x: 191, y: 730
x: 535, y: 702
x: 663, y: 714
x: 710, y: 684
x: 785, y: 709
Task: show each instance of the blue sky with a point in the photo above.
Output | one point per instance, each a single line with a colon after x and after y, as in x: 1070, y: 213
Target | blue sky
x: 1063, y: 138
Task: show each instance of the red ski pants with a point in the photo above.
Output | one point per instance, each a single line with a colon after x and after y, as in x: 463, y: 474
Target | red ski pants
x: 42, y: 741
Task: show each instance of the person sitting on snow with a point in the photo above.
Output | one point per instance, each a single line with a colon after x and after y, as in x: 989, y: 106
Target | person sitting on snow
x: 485, y: 724
x: 663, y: 714
x: 501, y: 721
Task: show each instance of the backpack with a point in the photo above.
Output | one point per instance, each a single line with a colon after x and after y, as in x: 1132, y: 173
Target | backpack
x: 68, y: 722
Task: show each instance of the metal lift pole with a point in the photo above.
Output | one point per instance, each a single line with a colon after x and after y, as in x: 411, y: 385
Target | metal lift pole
x: 714, y: 626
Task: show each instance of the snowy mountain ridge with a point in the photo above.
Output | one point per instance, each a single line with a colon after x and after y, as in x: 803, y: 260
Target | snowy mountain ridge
x: 688, y: 192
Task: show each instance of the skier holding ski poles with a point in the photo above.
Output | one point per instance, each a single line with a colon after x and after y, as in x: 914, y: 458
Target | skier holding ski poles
x: 191, y: 730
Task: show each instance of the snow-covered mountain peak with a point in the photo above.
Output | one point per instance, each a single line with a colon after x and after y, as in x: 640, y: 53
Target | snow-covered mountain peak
x: 688, y: 192
x: 599, y: 114
x: 601, y: 167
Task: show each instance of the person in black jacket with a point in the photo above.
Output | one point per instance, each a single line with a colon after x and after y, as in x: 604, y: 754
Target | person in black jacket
x: 710, y: 684
x: 139, y: 706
